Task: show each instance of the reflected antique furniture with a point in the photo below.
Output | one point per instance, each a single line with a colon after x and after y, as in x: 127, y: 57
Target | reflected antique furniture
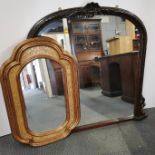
x: 89, y: 73
x: 118, y: 75
x: 59, y: 79
x: 56, y: 77
x: 85, y: 36
x: 120, y: 44
x: 86, y: 44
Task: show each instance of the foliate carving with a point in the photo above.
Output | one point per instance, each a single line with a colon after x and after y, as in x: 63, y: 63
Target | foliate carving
x: 89, y: 10
x: 92, y: 6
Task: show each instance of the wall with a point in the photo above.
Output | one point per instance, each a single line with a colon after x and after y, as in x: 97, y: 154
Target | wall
x: 18, y: 16
x: 149, y: 73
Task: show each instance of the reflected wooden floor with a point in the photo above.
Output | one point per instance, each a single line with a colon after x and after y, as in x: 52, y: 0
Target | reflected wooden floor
x: 46, y: 113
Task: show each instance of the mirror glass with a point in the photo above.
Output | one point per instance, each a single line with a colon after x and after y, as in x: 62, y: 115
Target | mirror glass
x: 42, y: 86
x: 107, y: 48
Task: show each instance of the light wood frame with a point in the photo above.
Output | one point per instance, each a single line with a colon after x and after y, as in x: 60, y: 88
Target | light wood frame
x: 25, y: 52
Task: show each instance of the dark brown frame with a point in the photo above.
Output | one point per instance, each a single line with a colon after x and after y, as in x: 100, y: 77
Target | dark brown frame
x: 90, y: 10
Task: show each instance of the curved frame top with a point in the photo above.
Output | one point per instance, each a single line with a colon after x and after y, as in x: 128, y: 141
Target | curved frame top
x: 90, y: 10
x: 25, y: 52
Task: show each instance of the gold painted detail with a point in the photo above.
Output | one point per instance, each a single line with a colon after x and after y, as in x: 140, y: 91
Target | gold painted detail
x: 39, y: 50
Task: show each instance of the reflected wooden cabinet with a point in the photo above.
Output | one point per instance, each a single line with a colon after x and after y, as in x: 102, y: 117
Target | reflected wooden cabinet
x: 59, y: 79
x: 84, y: 75
x: 89, y: 74
x: 120, y: 44
x: 85, y: 35
x: 86, y: 43
x: 123, y: 68
x: 56, y: 77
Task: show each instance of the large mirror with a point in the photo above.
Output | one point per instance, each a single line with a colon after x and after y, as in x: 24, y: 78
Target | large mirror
x: 108, y: 47
x: 43, y: 90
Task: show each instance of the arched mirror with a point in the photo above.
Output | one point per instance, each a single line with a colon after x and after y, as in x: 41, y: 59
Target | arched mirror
x: 41, y: 109
x: 109, y: 44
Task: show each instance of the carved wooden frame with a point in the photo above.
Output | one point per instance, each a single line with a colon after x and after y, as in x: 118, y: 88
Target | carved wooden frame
x: 90, y: 10
x: 25, y: 52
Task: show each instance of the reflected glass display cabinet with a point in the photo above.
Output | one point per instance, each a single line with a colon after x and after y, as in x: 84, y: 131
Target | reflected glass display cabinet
x: 86, y: 43
x: 86, y: 35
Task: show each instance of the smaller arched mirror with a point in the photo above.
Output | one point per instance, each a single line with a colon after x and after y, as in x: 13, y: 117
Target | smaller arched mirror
x: 40, y: 108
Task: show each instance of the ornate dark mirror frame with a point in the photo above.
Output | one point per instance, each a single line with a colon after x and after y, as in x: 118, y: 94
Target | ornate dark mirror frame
x: 90, y: 10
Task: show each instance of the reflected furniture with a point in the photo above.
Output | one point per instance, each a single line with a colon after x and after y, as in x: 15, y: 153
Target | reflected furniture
x: 120, y: 44
x: 86, y: 44
x: 56, y: 77
x: 118, y: 75
x: 85, y: 36
x: 89, y: 73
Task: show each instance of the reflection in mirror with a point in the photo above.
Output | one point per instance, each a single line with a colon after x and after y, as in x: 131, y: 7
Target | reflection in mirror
x: 107, y: 49
x: 42, y: 86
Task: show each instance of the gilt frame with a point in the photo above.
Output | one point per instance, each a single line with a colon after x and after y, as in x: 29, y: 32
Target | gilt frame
x: 42, y: 47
